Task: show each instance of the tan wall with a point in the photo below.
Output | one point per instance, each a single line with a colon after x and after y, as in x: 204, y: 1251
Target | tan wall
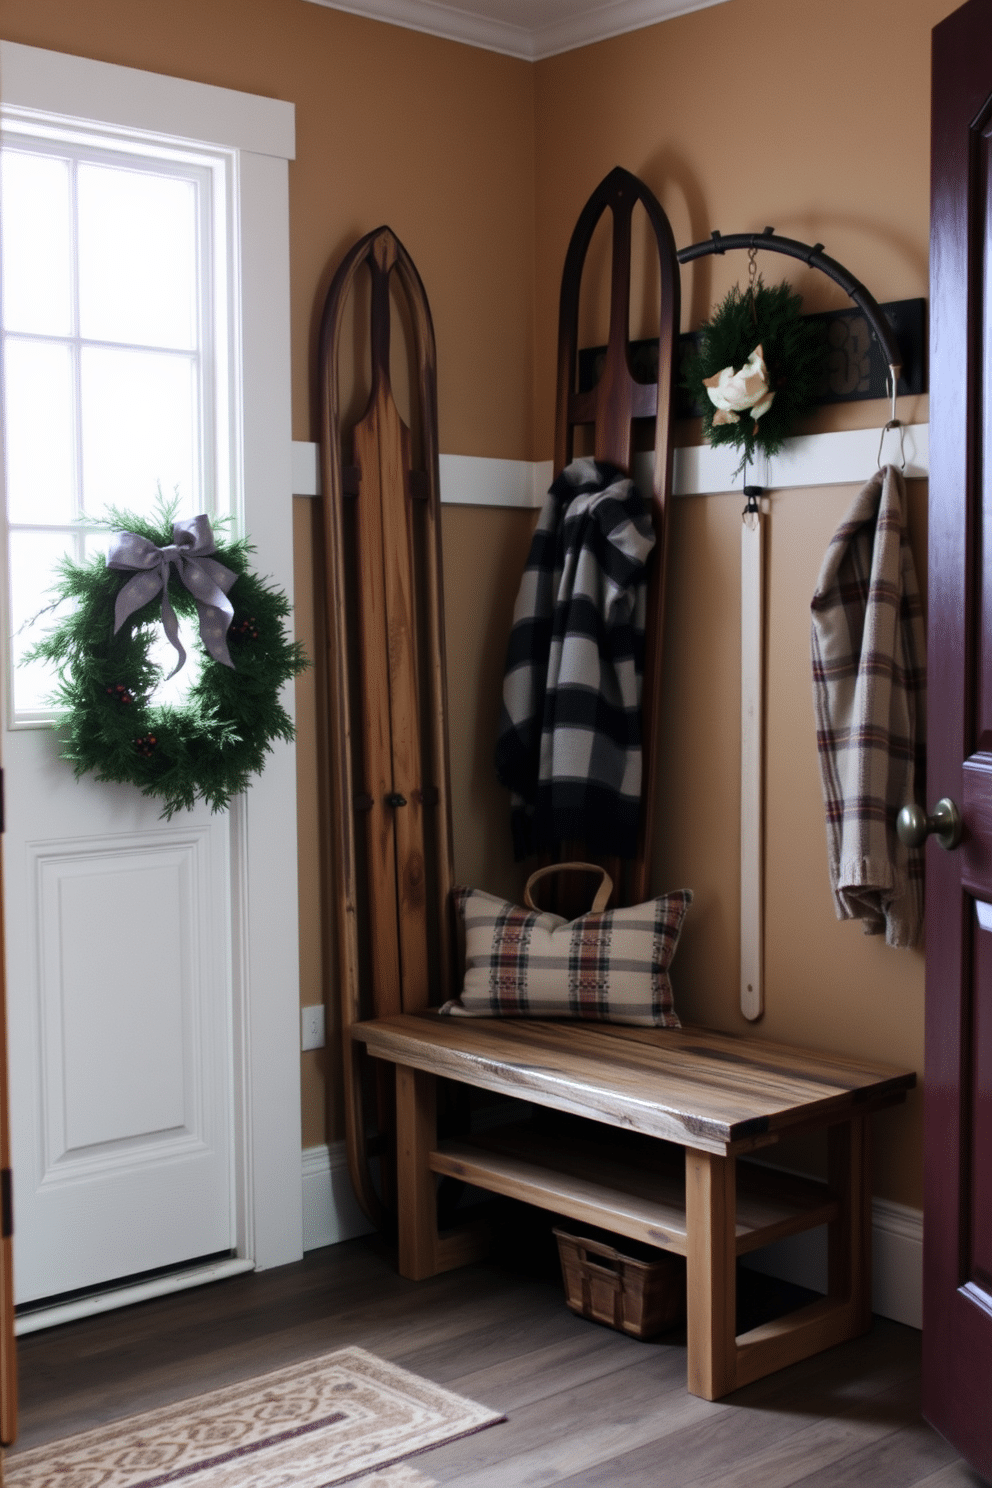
x: 812, y: 118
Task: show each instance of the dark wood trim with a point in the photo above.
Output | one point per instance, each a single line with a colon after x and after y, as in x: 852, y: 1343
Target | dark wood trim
x: 8, y: 1349
x: 957, y: 1364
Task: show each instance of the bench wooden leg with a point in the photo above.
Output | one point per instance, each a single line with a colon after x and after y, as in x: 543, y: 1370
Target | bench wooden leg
x: 416, y: 1187
x: 849, y: 1237
x: 423, y: 1251
x: 720, y: 1362
x: 711, y: 1277
x: 846, y: 1311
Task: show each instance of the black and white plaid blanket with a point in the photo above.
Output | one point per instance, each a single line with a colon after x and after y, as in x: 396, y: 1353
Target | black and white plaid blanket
x: 569, y: 745
x: 869, y: 689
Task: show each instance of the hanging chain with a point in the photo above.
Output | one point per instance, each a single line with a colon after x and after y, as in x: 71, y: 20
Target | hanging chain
x: 752, y: 280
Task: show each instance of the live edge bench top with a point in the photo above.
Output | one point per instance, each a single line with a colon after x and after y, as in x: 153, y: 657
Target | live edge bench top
x: 700, y: 1089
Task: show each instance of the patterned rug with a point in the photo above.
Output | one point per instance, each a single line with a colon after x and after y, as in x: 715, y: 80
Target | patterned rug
x: 345, y: 1417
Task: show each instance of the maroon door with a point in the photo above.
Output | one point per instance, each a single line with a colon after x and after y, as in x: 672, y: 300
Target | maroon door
x: 957, y: 1303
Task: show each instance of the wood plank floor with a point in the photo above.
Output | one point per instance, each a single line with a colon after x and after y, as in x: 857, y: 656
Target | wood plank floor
x: 586, y: 1406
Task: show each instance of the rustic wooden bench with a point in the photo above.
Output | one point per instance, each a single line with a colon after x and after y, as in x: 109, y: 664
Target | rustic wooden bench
x: 715, y: 1096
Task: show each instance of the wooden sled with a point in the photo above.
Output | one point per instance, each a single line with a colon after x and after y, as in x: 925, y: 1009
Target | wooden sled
x: 390, y: 827
x: 644, y: 1128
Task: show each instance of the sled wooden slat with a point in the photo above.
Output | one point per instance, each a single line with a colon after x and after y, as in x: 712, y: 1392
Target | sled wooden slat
x: 381, y: 445
x: 377, y: 781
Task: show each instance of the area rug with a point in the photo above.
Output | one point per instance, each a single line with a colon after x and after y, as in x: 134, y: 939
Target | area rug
x: 345, y: 1417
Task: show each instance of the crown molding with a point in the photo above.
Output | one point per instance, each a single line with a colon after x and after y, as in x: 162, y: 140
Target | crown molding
x: 597, y: 22
x: 601, y: 22
x: 438, y: 19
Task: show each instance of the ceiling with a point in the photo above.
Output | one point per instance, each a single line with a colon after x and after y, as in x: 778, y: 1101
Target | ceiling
x: 521, y: 28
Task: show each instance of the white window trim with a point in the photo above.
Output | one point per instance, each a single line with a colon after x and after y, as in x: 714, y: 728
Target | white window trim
x: 126, y: 97
x: 261, y: 132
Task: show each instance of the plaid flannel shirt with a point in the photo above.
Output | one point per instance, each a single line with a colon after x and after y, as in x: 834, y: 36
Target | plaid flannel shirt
x: 869, y: 689
x: 569, y: 744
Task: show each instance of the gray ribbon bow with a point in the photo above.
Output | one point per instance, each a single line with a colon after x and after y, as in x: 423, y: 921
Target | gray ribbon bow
x: 206, y: 579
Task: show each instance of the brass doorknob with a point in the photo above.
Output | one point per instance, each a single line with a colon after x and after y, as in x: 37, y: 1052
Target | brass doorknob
x: 914, y: 826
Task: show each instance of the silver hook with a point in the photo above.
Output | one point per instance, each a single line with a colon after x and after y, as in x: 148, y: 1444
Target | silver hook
x: 893, y: 424
x: 891, y: 382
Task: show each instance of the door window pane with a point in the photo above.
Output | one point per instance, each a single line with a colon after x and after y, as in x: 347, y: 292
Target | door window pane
x: 36, y: 243
x: 33, y: 559
x: 137, y: 258
x: 140, y: 429
x: 39, y: 431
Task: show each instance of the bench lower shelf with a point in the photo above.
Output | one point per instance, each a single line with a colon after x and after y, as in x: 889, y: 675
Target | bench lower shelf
x: 638, y: 1192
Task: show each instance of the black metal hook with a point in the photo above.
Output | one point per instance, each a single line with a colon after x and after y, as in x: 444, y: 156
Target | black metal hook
x: 753, y: 506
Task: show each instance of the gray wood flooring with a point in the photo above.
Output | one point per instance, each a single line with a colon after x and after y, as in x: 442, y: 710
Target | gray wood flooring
x: 585, y: 1405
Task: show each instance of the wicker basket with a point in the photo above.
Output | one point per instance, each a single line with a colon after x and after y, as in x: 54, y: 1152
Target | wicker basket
x: 639, y: 1297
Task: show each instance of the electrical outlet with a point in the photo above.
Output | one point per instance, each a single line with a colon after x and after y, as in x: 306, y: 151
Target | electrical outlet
x: 312, y: 1021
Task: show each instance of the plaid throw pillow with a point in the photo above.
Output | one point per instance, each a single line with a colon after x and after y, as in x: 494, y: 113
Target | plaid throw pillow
x: 611, y: 967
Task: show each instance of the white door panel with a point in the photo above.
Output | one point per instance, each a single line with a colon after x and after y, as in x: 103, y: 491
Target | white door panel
x: 120, y: 950
x: 119, y: 999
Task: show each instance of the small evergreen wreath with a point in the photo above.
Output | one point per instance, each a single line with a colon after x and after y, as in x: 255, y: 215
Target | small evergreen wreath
x: 761, y: 332
x: 210, y: 746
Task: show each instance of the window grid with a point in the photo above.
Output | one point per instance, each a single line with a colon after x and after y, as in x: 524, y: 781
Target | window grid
x: 207, y: 368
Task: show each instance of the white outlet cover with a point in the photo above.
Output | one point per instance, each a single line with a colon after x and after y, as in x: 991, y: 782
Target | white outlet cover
x: 312, y: 1027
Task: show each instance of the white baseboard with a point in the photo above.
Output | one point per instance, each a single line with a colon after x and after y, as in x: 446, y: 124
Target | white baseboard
x: 331, y: 1214
x: 897, y: 1266
x: 330, y: 1209
x: 897, y: 1261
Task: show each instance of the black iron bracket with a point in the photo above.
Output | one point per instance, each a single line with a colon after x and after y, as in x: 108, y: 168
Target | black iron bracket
x: 769, y: 241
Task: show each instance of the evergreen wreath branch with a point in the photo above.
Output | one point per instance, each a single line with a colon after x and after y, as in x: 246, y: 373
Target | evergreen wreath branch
x: 211, y: 746
x: 793, y: 348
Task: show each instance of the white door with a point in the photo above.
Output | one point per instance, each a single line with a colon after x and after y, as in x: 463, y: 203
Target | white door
x: 120, y: 1029
x: 137, y: 987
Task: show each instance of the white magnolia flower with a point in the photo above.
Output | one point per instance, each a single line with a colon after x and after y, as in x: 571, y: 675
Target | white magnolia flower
x: 732, y: 393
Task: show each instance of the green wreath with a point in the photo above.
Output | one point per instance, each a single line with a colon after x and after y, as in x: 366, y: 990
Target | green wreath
x: 211, y: 746
x: 781, y: 383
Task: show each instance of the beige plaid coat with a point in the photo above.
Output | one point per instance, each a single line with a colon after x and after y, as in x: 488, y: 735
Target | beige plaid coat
x: 869, y: 689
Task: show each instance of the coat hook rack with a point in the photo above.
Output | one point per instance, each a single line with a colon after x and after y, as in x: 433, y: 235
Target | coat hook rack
x: 816, y: 259
x: 752, y: 605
